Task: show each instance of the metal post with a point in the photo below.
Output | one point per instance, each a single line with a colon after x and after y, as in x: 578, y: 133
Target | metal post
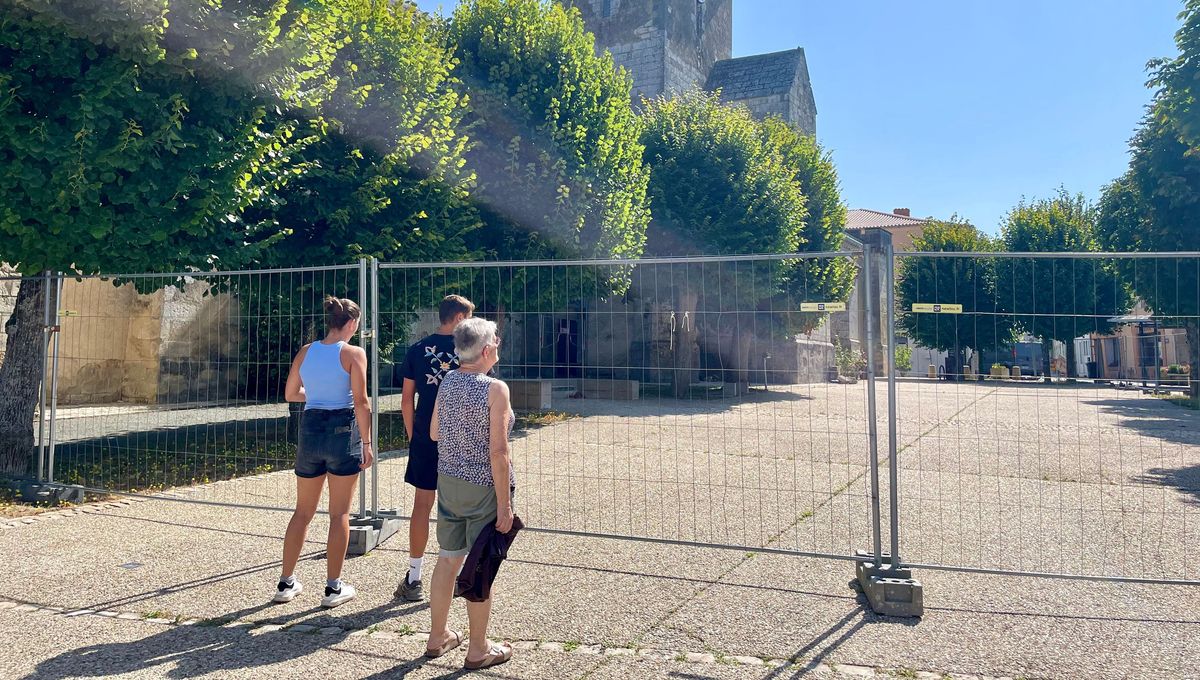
x: 893, y: 422
x: 362, y: 300
x: 58, y: 287
x: 375, y: 383
x: 872, y: 425
x: 46, y: 323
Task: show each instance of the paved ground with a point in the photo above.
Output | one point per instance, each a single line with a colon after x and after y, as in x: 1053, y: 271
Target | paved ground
x: 1039, y: 478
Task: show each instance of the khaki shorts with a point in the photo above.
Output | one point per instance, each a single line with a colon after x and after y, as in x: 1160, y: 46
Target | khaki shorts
x: 463, y: 510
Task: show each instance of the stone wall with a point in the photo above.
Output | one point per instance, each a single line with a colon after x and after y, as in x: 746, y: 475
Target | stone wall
x: 667, y: 45
x: 108, y: 345
x: 199, y: 342
x: 632, y: 32
x: 699, y: 34
x: 173, y: 346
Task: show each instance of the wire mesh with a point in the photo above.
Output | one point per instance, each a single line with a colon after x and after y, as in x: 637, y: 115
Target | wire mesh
x: 175, y: 382
x: 1047, y: 418
x: 694, y: 401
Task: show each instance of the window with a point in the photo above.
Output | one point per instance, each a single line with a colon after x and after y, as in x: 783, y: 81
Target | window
x: 608, y: 8
x: 1112, y: 352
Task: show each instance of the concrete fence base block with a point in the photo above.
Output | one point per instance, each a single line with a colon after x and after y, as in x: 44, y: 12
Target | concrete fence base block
x: 890, y: 591
x: 368, y: 533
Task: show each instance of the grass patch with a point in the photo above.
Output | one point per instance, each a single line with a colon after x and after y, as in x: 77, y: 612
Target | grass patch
x: 405, y: 630
x: 535, y: 419
x: 1186, y: 402
x: 570, y: 645
x: 214, y: 623
x: 904, y: 673
x: 155, y: 615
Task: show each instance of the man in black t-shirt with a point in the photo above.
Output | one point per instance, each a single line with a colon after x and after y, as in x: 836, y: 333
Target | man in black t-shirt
x: 425, y: 364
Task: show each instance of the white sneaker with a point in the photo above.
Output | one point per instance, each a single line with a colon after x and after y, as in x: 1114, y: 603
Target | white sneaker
x: 342, y: 595
x: 288, y: 593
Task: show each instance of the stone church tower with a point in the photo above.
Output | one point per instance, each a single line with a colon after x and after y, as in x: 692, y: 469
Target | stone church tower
x: 672, y: 45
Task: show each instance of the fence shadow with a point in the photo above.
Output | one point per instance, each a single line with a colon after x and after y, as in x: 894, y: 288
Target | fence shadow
x: 1155, y: 418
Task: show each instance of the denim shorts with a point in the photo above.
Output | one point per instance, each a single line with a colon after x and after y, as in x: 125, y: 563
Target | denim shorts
x: 329, y: 443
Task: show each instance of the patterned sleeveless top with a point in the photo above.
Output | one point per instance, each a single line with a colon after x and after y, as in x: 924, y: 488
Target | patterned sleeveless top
x: 464, y: 446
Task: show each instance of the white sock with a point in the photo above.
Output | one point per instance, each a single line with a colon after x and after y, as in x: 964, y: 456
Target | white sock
x: 290, y: 580
x: 414, y: 568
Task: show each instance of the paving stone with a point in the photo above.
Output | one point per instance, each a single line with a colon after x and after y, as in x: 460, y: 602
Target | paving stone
x: 618, y: 651
x: 525, y: 645
x: 699, y: 657
x: 746, y: 660
x: 332, y: 630
x: 302, y: 628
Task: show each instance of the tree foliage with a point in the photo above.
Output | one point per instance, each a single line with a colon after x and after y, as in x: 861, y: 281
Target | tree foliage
x: 556, y: 148
x: 1177, y: 79
x: 1058, y: 298
x: 129, y: 142
x: 1155, y: 205
x: 969, y: 281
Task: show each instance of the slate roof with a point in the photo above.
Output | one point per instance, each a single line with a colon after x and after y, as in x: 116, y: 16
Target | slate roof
x: 759, y: 75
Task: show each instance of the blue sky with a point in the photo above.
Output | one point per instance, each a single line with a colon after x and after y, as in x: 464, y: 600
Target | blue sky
x: 958, y: 106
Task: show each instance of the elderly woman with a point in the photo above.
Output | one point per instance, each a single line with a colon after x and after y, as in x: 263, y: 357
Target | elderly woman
x: 472, y: 419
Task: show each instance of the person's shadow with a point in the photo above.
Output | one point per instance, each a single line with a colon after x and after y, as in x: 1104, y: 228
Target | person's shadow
x: 191, y: 651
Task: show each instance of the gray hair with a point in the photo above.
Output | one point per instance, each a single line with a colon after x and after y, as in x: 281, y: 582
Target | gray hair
x: 471, y: 336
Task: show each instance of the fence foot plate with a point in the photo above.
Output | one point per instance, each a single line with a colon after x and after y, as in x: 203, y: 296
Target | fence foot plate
x: 368, y: 533
x: 890, y: 591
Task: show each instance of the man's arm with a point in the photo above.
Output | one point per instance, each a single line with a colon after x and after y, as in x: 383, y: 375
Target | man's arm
x: 408, y: 405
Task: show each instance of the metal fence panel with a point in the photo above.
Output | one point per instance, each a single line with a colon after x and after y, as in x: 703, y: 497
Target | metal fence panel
x: 175, y: 381
x: 1077, y: 457
x: 672, y: 400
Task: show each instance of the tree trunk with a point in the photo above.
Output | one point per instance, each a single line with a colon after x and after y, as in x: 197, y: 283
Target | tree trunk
x: 21, y: 377
x: 1193, y: 337
x: 683, y: 358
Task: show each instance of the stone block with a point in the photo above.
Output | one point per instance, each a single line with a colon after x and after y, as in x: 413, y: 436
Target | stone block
x: 531, y: 395
x: 618, y: 390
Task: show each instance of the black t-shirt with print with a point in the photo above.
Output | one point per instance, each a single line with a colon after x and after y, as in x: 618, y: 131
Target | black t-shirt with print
x: 426, y: 363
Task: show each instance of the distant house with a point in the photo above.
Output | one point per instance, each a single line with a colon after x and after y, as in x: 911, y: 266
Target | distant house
x: 899, y: 223
x: 1138, y: 348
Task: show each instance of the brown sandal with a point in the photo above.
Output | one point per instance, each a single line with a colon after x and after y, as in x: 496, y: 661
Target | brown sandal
x: 449, y: 646
x: 497, y: 655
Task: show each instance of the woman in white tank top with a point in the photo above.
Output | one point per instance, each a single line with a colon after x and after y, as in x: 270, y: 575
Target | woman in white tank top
x: 330, y: 378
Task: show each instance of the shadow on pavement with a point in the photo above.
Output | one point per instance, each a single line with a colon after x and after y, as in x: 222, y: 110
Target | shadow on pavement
x: 1155, y: 418
x: 1184, y: 479
x: 200, y: 650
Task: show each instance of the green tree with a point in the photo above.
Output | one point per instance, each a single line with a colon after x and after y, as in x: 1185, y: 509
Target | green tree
x: 555, y: 143
x: 1155, y: 206
x: 824, y: 222
x: 386, y: 179
x: 129, y: 143
x: 723, y: 184
x: 1177, y: 80
x: 1058, y: 298
x: 966, y: 280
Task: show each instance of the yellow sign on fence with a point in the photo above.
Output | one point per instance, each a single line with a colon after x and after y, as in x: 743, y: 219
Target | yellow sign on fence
x: 822, y: 306
x: 936, y: 308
